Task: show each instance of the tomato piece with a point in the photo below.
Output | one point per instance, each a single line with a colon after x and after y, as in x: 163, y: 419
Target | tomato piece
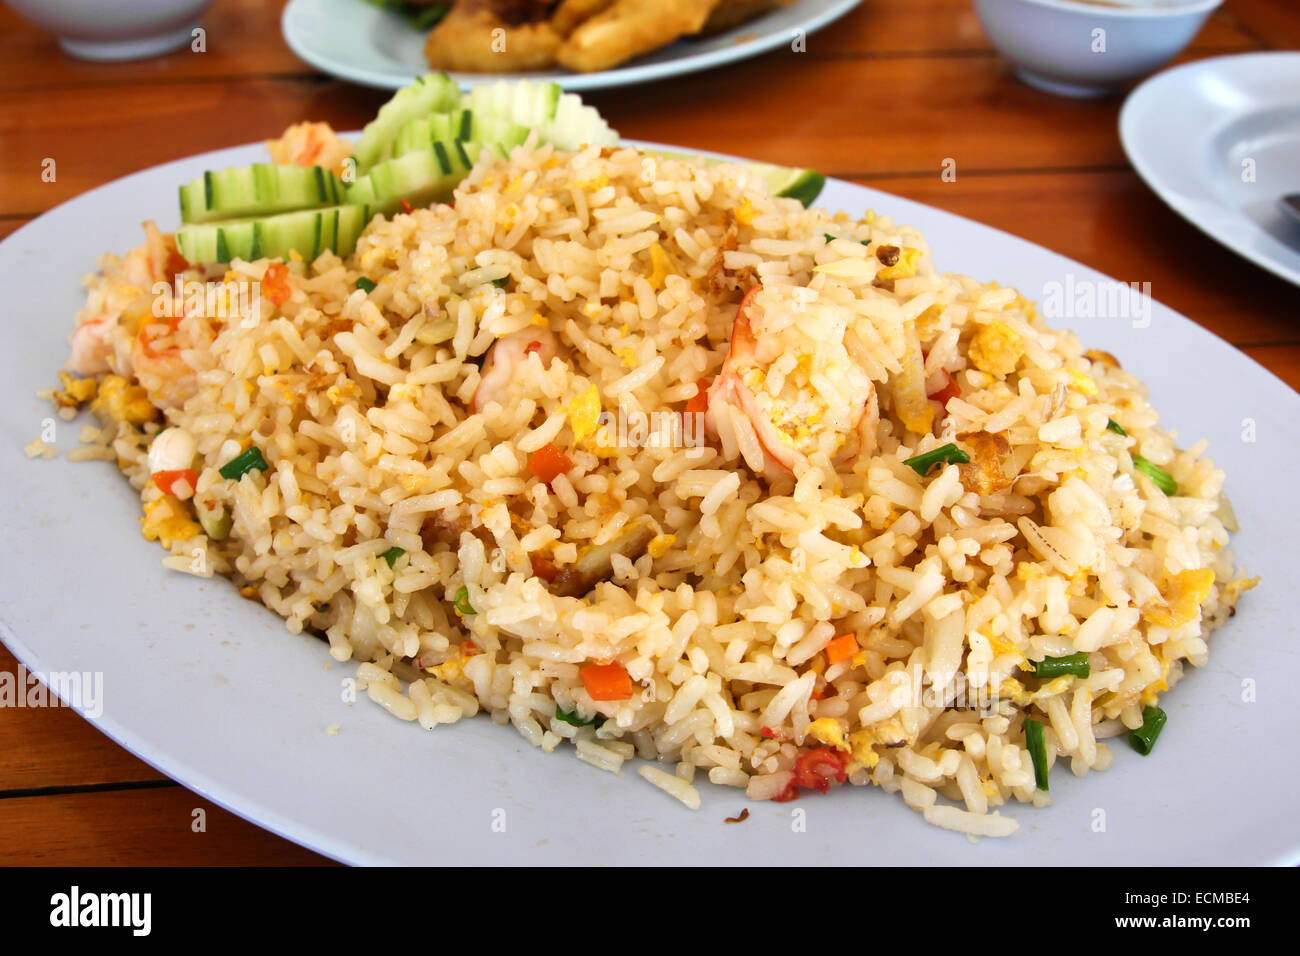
x: 548, y: 463
x: 165, y: 479
x: 815, y: 769
x: 949, y: 390
x: 769, y: 733
x: 606, y: 681
x: 275, y: 284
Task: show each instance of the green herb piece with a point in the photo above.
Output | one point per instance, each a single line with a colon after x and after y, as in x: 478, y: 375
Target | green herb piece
x: 392, y: 554
x: 1076, y: 664
x: 1144, y: 738
x: 1037, y: 751
x: 243, y: 463
x: 1114, y: 426
x: 366, y: 285
x: 1164, y: 481
x: 462, y: 601
x: 949, y: 454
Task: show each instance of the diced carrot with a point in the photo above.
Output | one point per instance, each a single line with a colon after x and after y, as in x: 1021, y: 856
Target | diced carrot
x: 165, y: 479
x: 606, y: 681
x: 699, y: 403
x: 841, y: 648
x: 768, y: 733
x: 406, y: 206
x: 275, y: 283
x: 548, y: 463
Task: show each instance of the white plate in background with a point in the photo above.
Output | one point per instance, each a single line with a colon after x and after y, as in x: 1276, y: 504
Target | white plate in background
x: 1219, y: 141
x: 211, y: 689
x: 359, y: 42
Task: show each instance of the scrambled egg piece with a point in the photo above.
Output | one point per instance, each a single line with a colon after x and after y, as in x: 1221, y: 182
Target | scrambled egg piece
x: 1082, y: 382
x: 584, y: 413
x: 828, y: 731
x: 123, y: 402
x: 1014, y: 691
x: 166, y: 519
x: 661, y: 266
x: 861, y: 745
x: 660, y: 544
x: 76, y: 391
x: 746, y: 214
x: 1183, y: 595
x: 996, y: 349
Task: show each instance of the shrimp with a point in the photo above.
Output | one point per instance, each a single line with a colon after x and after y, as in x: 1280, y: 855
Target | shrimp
x: 310, y: 144
x: 794, y: 393
x: 505, y: 357
x: 100, y: 343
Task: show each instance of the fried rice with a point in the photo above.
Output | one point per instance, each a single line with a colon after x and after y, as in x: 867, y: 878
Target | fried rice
x: 729, y: 560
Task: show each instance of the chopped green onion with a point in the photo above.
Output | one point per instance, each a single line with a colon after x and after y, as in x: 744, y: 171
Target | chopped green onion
x: 571, y: 717
x: 1114, y: 426
x: 830, y: 238
x: 1164, y: 481
x: 1076, y: 664
x: 1037, y: 751
x: 949, y: 454
x: 502, y: 282
x: 1144, y: 738
x: 366, y: 285
x: 462, y: 601
x: 243, y: 463
x: 391, y: 555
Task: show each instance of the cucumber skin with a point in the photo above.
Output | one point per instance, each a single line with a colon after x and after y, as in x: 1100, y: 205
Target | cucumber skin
x: 260, y: 189
x: 807, y: 188
x: 308, y: 232
x: 432, y: 93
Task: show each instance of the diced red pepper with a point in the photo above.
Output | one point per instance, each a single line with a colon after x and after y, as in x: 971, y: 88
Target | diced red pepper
x: 814, y: 769
x: 949, y: 390
x: 532, y: 347
x: 406, y: 206
x: 769, y: 733
x: 165, y: 479
x: 841, y: 648
x: 275, y: 283
x: 548, y: 463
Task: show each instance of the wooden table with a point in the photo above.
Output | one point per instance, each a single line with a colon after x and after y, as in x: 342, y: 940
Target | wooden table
x: 883, y: 97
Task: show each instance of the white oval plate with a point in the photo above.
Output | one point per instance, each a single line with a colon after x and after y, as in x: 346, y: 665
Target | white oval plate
x: 1219, y: 141
x: 359, y: 42
x: 211, y: 689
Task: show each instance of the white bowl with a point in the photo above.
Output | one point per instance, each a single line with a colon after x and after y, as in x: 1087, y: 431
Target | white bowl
x: 116, y: 29
x: 1080, y: 48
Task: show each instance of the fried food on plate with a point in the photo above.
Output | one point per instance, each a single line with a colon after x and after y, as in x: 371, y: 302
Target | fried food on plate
x: 501, y: 36
x: 732, y: 13
x: 629, y: 28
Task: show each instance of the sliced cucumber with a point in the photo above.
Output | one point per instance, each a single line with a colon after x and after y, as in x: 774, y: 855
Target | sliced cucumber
x: 526, y: 102
x: 434, y: 93
x: 260, y: 189
x: 464, y: 125
x: 309, y: 232
x: 804, y: 185
x: 576, y: 125
x: 558, y: 117
x: 419, y: 177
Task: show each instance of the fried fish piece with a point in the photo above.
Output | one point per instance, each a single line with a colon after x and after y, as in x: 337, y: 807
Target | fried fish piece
x: 628, y: 28
x: 732, y: 13
x: 480, y: 37
x: 570, y: 14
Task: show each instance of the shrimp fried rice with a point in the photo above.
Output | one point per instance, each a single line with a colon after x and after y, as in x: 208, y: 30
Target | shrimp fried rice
x: 630, y: 454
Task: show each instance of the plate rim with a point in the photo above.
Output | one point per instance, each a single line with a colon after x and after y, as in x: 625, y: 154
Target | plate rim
x: 1141, y: 159
x: 234, y: 797
x: 573, y: 82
